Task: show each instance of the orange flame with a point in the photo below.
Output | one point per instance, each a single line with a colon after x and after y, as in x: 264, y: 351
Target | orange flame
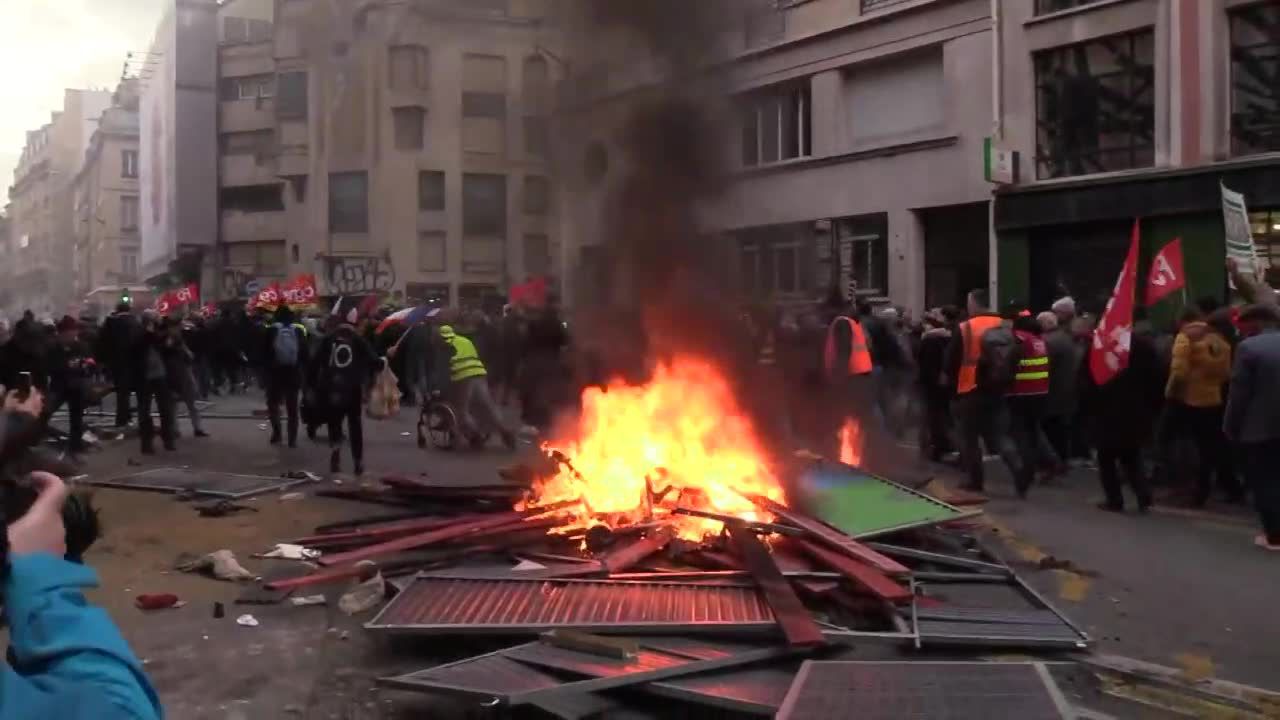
x: 683, y: 430
x: 851, y: 442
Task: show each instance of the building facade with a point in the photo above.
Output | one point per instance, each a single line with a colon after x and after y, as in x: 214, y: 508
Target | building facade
x: 42, y: 207
x: 389, y: 146
x: 107, y: 208
x: 854, y: 142
x: 1127, y: 109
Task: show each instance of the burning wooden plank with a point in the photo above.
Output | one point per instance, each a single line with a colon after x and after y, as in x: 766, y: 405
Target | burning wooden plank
x: 794, y: 619
x: 430, y: 537
x: 757, y: 526
x: 625, y: 557
x: 833, y: 537
x: 861, y: 575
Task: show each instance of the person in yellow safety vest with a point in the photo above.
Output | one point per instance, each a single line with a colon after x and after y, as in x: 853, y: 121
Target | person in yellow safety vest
x: 470, y: 390
x: 1028, y: 396
x: 985, y: 369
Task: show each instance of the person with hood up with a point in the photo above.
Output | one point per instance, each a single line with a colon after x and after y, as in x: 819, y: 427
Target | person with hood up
x: 66, y: 659
x: 1201, y: 365
x: 344, y: 368
x: 933, y: 377
x: 119, y: 334
x: 284, y: 355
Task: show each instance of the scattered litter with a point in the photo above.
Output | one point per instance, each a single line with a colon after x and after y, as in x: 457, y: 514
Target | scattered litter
x: 133, y: 462
x: 221, y: 508
x: 262, y: 426
x: 221, y: 564
x: 527, y: 565
x: 219, y: 611
x: 247, y: 621
x: 405, y: 434
x: 287, y: 551
x: 344, y: 635
x: 289, y: 497
x: 1050, y: 562
x: 363, y: 596
x: 307, y: 600
x: 157, y: 601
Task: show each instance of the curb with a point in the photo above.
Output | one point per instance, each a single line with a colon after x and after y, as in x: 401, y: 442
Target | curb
x: 1229, y: 697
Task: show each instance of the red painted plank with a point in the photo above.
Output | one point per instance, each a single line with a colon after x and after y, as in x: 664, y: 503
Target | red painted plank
x: 833, y: 537
x: 625, y: 557
x: 324, y: 576
x: 385, y: 531
x: 793, y: 617
x: 863, y: 576
x: 448, y: 532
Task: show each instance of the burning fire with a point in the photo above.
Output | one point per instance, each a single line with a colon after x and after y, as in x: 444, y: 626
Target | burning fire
x: 851, y: 442
x: 638, y: 452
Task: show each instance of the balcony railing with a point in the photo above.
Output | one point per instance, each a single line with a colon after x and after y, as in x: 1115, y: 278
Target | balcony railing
x: 874, y: 5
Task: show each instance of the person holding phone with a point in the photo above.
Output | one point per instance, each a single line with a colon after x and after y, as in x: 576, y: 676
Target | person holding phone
x: 67, y: 660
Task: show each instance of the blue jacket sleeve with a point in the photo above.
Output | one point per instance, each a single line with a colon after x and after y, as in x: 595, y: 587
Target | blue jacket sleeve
x: 69, y: 660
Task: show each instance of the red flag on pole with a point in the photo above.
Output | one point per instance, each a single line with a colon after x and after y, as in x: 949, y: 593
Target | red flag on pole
x: 1166, y: 274
x: 1110, y: 352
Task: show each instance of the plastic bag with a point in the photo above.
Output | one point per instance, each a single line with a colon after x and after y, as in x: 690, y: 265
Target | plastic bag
x: 384, y: 400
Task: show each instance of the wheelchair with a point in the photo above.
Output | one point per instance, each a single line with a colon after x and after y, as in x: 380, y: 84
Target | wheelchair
x: 440, y: 426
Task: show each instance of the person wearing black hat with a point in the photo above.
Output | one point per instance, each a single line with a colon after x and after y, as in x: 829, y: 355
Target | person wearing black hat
x: 119, y: 335
x: 69, y: 366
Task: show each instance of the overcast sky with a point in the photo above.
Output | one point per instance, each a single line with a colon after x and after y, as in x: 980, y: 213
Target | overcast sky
x: 49, y: 45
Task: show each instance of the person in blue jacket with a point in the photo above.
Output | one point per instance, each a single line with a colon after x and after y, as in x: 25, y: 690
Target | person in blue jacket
x: 67, y: 660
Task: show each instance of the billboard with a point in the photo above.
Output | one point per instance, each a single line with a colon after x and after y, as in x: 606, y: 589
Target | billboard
x: 178, y: 154
x: 156, y: 151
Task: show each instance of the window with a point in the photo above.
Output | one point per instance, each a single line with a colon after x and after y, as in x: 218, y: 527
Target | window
x: 537, y: 195
x: 863, y: 249
x: 252, y: 198
x: 536, y: 86
x: 408, y: 68
x: 128, y: 264
x: 1095, y: 106
x: 129, y: 163
x: 427, y: 293
x: 1044, y: 7
x: 775, y: 125
x: 484, y: 104
x: 348, y: 202
x: 431, y: 252
x: 259, y: 30
x: 775, y: 261
x: 1255, y: 66
x: 410, y: 127
x: 1266, y: 238
x: 897, y: 99
x: 484, y: 255
x: 262, y: 259
x: 235, y: 30
x: 484, y: 205
x: 249, y: 87
x: 535, y: 136
x: 292, y: 104
x: 537, y: 255
x: 431, y: 190
x: 128, y: 212
x: 254, y: 142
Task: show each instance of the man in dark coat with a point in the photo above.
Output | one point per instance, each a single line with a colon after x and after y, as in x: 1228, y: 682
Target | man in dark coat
x: 119, y: 335
x: 284, y: 355
x: 150, y: 378
x: 344, y: 368
x: 1252, y: 418
x: 69, y: 367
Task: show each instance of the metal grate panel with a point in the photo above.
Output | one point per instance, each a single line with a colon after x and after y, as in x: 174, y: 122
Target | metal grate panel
x: 201, y: 482
x: 487, y: 676
x: 758, y: 691
x: 896, y: 690
x: 579, y: 663
x: 468, y: 605
x: 984, y: 615
x: 998, y: 633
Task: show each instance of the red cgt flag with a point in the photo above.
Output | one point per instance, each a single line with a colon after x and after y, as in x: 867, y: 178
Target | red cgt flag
x: 1166, y: 274
x: 1110, y: 352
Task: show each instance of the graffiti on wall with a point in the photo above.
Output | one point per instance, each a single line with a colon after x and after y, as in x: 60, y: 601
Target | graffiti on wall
x: 346, y: 275
x: 236, y: 283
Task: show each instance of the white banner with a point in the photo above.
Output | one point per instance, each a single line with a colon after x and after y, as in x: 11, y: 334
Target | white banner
x: 1239, y: 233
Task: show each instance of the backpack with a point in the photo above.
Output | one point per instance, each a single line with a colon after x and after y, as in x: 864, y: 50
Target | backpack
x: 285, y: 345
x: 998, y: 357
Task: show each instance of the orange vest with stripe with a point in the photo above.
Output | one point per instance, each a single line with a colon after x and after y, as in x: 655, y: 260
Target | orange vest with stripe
x: 971, y: 332
x: 859, y: 356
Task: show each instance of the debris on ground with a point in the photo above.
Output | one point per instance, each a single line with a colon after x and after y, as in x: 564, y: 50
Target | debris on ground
x: 221, y: 564
x: 289, y: 551
x: 363, y: 596
x: 157, y: 601
x: 247, y: 621
x: 221, y: 508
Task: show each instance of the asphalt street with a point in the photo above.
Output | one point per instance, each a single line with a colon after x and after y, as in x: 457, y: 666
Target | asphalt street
x: 1191, y: 593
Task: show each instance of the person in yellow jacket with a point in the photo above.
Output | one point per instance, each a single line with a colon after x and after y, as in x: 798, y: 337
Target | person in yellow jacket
x: 1201, y: 365
x: 469, y: 386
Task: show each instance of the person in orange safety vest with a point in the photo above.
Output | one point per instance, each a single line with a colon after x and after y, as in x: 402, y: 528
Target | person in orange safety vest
x: 985, y: 369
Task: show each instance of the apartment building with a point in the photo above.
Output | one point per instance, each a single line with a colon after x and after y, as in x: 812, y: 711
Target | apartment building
x: 106, y: 194
x: 1124, y: 109
x: 389, y: 146
x: 855, y: 138
x: 42, y: 203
